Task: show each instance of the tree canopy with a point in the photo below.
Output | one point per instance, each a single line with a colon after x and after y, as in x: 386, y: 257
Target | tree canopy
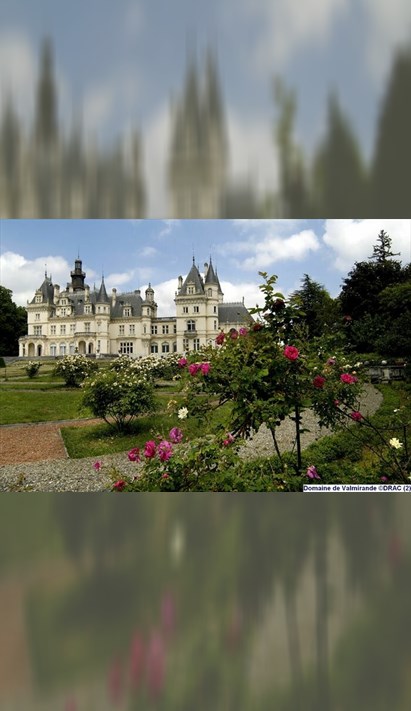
x: 13, y: 323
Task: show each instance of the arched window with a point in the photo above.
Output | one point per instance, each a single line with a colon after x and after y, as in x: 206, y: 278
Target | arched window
x: 154, y: 348
x: 165, y: 348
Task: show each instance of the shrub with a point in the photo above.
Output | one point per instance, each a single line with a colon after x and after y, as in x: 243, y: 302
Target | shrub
x: 74, y: 369
x: 120, y: 395
x: 32, y: 368
x: 2, y: 362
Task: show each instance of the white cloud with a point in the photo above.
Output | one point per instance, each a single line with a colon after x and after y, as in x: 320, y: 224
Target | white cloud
x: 148, y: 252
x: 169, y: 226
x: 24, y: 276
x: 266, y: 244
x: 353, y: 240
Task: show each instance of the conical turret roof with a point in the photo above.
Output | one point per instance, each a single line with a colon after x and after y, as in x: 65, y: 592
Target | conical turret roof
x: 102, y: 297
x: 193, y: 277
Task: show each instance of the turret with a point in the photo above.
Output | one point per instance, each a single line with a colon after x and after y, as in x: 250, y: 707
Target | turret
x: 78, y: 276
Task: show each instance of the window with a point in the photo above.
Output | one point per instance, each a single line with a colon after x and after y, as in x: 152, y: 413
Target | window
x: 190, y: 290
x: 154, y: 348
x: 145, y: 329
x: 53, y: 350
x: 63, y: 349
x: 186, y: 344
x: 165, y: 348
x: 63, y: 302
x: 62, y: 312
x: 185, y: 309
x: 132, y: 330
x: 126, y: 347
x: 196, y: 344
x: 98, y: 346
x: 215, y: 325
x: 174, y: 347
x: 196, y: 309
x: 210, y: 292
x: 72, y: 328
x: 99, y: 309
x: 62, y: 330
x: 191, y: 325
x: 154, y: 330
x: 37, y: 330
x: 52, y: 330
x: 72, y: 349
x: 38, y: 299
x: 121, y: 330
x: 175, y: 328
x: 87, y: 309
x: 37, y: 317
x: 87, y: 327
x: 127, y: 312
x: 215, y: 309
x: 165, y: 330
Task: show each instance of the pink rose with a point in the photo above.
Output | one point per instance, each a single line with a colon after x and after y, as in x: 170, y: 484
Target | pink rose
x: 134, y: 455
x: 182, y: 362
x: 312, y: 472
x: 194, y: 368
x: 220, y: 338
x: 150, y: 449
x: 331, y: 361
x: 119, y: 485
x: 164, y: 450
x: 228, y: 440
x: 257, y: 327
x: 318, y: 381
x: 165, y: 476
x: 97, y: 466
x: 243, y: 331
x: 205, y: 368
x: 291, y: 352
x: 234, y: 333
x: 176, y: 435
x: 357, y: 416
x: 346, y: 378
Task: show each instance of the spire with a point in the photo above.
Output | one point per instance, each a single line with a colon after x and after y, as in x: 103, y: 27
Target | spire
x: 193, y: 278
x: 102, y: 297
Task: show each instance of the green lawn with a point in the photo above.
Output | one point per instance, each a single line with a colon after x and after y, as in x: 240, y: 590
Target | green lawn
x: 97, y: 440
x: 41, y: 406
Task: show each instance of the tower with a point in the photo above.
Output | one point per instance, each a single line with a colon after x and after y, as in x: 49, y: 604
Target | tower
x: 77, y: 276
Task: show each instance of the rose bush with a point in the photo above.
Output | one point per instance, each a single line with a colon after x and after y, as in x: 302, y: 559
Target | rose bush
x: 118, y: 396
x: 74, y: 369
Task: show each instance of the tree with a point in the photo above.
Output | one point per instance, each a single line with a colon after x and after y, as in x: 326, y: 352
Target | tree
x: 392, y: 159
x: 382, y: 250
x: 13, y: 323
x: 319, y: 309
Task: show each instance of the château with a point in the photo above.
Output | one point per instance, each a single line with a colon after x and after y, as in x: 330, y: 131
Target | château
x: 88, y: 321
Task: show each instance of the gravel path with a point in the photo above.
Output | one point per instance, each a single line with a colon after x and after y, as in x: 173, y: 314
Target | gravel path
x: 78, y: 475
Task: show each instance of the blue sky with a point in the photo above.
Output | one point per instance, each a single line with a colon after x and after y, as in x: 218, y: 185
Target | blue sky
x: 121, y: 62
x: 132, y: 253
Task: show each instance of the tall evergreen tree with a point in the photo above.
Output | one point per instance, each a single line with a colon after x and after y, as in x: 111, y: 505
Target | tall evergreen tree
x: 392, y: 158
x: 382, y: 250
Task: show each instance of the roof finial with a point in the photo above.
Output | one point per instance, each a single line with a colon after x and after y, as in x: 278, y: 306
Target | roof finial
x: 45, y: 271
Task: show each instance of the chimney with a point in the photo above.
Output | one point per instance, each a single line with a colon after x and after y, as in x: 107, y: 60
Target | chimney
x: 113, y: 296
x: 87, y: 293
x: 56, y: 293
x: 180, y: 283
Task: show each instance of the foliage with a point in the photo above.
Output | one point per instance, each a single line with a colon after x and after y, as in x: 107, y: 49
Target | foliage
x: 120, y: 395
x: 319, y: 311
x: 382, y: 250
x: 74, y: 369
x: 151, y: 367
x: 270, y: 371
x: 32, y: 368
x: 13, y: 323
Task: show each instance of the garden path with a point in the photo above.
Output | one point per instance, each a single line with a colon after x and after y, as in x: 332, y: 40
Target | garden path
x: 36, y: 442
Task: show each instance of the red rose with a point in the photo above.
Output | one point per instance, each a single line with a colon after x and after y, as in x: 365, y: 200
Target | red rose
x: 291, y: 352
x: 319, y: 381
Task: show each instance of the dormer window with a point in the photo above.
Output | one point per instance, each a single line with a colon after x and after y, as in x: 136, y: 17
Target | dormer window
x: 190, y: 290
x: 87, y: 309
x: 38, y: 299
x: 127, y: 311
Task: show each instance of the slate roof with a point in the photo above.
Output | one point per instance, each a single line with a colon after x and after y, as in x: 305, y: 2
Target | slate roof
x: 195, y: 277
x: 211, y: 277
x: 102, y: 297
x: 47, y: 291
x: 234, y: 312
